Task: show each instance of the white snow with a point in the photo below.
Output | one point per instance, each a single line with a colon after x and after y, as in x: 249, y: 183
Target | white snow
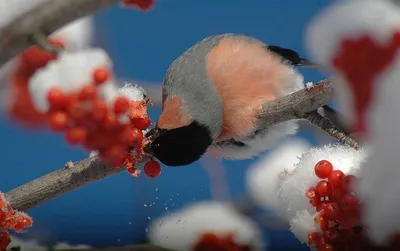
x: 264, y: 176
x: 70, y: 71
x: 184, y: 228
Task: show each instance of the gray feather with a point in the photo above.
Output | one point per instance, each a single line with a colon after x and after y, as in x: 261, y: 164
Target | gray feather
x: 187, y: 78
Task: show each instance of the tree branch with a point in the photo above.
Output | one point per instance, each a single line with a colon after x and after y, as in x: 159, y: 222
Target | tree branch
x: 84, y: 172
x: 60, y: 182
x: 44, y: 19
x: 296, y: 105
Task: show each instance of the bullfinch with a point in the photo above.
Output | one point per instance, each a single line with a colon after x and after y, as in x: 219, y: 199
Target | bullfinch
x: 211, y: 96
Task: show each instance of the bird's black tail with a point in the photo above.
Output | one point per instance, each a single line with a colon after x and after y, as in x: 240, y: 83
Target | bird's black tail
x: 292, y: 57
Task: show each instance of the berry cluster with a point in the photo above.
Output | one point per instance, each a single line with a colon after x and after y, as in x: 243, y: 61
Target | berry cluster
x: 212, y: 242
x: 21, y: 107
x: 10, y: 220
x: 91, y: 112
x: 86, y: 119
x: 143, y: 5
x: 338, y: 213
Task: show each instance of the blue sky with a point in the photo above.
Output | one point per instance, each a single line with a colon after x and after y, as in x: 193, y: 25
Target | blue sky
x: 112, y: 211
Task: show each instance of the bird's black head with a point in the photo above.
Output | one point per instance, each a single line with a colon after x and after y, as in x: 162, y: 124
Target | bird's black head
x: 180, y: 146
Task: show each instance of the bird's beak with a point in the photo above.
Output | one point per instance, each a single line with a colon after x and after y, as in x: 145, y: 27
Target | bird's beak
x: 308, y: 64
x: 148, y: 150
x: 152, y: 135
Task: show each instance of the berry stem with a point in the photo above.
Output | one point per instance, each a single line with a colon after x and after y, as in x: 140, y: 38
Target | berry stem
x: 326, y: 125
x: 42, y: 41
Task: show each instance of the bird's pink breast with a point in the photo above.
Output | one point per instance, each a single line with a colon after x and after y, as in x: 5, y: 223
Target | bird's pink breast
x: 246, y: 75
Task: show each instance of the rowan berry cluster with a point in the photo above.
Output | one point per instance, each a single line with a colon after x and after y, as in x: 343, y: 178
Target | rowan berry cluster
x: 11, y: 220
x: 112, y: 127
x: 339, y: 213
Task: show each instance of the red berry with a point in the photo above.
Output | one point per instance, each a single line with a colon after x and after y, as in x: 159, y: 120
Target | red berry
x: 321, y: 241
x: 58, y: 121
x: 323, y: 169
x: 5, y: 240
x: 324, y: 224
x: 57, y: 98
x: 332, y: 210
x: 110, y: 121
x: 101, y: 75
x: 23, y: 222
x: 77, y: 111
x: 134, y: 171
x: 99, y: 110
x: 152, y: 169
x: 121, y: 105
x: 310, y: 193
x: 76, y: 135
x: 313, y: 238
x: 326, y: 247
x: 315, y: 199
x: 115, y: 156
x: 323, y: 188
x: 348, y: 182
x: 141, y: 123
x: 337, y: 193
x: 332, y: 234
x: 35, y: 57
x: 137, y: 136
x: 335, y: 178
x: 320, y: 206
x: 348, y: 202
x: 87, y: 93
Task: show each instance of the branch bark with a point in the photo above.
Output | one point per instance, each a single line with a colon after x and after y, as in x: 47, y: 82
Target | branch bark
x: 296, y: 105
x: 60, y: 182
x: 44, y: 19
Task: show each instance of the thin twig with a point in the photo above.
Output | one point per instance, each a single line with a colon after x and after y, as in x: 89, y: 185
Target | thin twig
x: 326, y: 125
x: 46, y: 18
x: 84, y: 172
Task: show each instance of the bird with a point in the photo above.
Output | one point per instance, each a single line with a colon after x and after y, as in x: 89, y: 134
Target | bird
x: 211, y: 96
